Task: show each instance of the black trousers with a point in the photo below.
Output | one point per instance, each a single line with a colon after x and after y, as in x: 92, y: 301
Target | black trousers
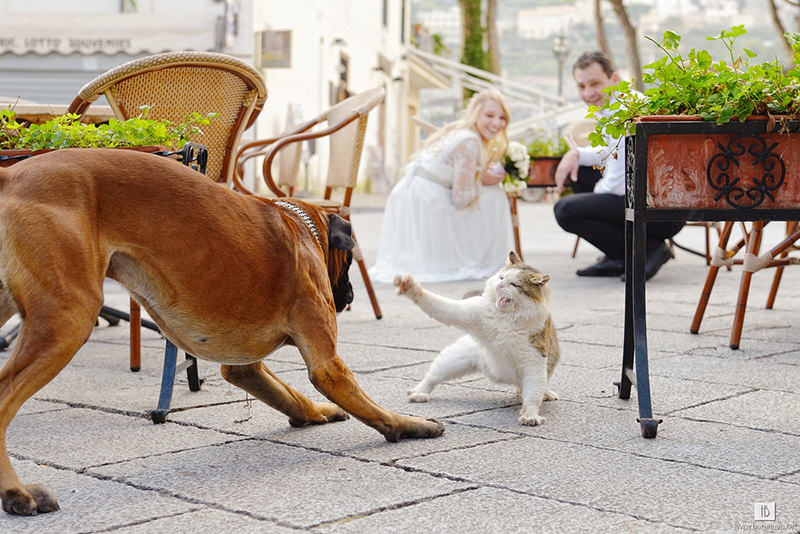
x: 599, y: 218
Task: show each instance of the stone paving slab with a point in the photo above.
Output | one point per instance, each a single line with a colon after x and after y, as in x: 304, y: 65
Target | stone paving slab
x: 762, y: 373
x: 671, y: 341
x: 346, y: 438
x: 763, y: 454
x: 61, y: 438
x: 89, y: 504
x: 496, y: 510
x: 680, y: 495
x: 583, y: 385
x: 756, y: 409
x: 292, y: 486
x: 208, y: 520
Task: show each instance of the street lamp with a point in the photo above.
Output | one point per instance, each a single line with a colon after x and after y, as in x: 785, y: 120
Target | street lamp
x: 560, y: 51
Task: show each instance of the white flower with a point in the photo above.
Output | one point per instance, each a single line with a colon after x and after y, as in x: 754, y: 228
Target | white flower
x: 517, y: 152
x: 523, y: 168
x: 509, y: 187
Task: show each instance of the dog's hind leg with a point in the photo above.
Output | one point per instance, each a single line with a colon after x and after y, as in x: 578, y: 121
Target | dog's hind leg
x: 47, y: 342
x: 262, y: 383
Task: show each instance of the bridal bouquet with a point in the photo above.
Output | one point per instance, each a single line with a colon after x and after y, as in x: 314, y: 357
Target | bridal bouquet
x: 516, y: 163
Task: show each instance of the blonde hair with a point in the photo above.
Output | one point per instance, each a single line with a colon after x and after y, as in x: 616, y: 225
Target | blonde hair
x: 492, y: 149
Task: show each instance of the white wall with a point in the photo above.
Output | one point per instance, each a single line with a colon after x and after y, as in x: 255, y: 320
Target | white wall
x: 321, y: 31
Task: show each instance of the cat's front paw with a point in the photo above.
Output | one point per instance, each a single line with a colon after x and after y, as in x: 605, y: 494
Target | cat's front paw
x: 532, y: 420
x: 417, y: 396
x: 406, y: 285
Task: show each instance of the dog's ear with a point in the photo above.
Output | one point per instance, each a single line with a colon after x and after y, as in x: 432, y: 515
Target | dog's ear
x: 339, y: 233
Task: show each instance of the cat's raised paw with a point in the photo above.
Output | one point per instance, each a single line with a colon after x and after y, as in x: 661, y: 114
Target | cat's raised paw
x: 405, y: 284
x: 532, y: 420
x: 417, y: 396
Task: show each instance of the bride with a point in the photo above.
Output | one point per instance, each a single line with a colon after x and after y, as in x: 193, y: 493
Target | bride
x: 447, y: 218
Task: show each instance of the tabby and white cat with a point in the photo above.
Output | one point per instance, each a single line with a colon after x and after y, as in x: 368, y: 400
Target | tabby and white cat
x: 510, y: 335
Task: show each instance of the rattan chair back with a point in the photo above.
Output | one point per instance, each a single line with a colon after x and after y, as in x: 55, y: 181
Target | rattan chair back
x: 346, y: 144
x: 175, y: 84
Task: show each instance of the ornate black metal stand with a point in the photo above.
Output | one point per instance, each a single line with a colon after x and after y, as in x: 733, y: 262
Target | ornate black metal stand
x: 736, y: 199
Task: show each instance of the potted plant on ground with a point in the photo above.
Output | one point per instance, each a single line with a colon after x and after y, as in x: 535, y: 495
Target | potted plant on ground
x: 545, y: 152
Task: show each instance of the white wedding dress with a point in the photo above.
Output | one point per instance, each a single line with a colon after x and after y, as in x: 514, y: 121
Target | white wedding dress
x: 440, y: 223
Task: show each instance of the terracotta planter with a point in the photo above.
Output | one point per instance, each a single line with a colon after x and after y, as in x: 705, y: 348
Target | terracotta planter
x: 9, y: 157
x: 543, y: 171
x: 693, y: 163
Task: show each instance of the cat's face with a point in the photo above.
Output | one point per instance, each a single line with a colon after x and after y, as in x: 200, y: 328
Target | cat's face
x: 518, y: 285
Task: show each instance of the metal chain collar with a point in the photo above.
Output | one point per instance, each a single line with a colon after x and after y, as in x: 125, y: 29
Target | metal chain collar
x: 303, y: 216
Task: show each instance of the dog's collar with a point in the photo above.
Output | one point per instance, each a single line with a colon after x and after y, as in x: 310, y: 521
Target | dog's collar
x: 303, y: 217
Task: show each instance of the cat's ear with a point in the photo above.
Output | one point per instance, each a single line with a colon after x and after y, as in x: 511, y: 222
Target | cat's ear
x: 539, y: 279
x: 513, y: 258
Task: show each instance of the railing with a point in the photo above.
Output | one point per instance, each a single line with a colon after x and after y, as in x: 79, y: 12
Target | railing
x: 544, y: 110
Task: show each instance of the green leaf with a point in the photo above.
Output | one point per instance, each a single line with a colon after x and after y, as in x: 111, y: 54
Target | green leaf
x: 704, y: 59
x: 671, y: 40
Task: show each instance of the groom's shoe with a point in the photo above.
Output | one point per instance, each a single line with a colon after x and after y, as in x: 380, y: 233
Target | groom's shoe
x: 604, y: 267
x: 656, y: 259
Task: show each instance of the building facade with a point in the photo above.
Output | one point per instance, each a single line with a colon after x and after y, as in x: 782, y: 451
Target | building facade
x: 313, y: 53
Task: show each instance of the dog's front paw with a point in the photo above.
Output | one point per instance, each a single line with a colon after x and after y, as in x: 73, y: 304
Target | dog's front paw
x: 417, y: 396
x: 406, y: 285
x: 550, y: 395
x: 30, y: 499
x: 532, y: 420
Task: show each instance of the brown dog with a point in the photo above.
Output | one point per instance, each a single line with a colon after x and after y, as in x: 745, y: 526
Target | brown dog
x: 227, y: 277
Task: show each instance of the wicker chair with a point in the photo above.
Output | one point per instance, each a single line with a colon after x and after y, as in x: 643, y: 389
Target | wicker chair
x: 346, y: 124
x: 173, y: 85
x: 778, y: 257
x: 287, y: 160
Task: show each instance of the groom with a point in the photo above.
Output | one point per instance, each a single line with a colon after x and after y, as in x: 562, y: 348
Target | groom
x: 598, y: 215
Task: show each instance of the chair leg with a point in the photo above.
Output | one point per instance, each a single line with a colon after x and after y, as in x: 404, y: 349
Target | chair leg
x: 359, y: 257
x: 159, y: 415
x: 791, y: 227
x: 11, y: 335
x: 710, y: 279
x: 136, y: 336
x: 575, y: 248
x: 753, y: 247
x: 512, y: 203
x: 191, y: 373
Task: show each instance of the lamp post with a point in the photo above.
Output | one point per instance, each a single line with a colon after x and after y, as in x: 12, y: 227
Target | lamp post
x: 560, y: 51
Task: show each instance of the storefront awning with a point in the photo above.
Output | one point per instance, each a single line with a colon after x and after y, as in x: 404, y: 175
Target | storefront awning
x: 130, y: 33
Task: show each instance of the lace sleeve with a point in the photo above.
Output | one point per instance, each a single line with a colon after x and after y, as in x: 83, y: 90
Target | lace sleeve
x: 463, y: 159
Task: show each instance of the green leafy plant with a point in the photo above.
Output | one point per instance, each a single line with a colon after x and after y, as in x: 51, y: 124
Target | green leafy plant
x: 720, y: 90
x: 66, y: 131
x: 547, y: 146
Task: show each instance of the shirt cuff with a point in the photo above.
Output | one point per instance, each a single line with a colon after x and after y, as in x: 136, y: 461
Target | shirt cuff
x: 589, y: 156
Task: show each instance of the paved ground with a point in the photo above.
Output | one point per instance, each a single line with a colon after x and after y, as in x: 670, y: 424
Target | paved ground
x: 729, y: 440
